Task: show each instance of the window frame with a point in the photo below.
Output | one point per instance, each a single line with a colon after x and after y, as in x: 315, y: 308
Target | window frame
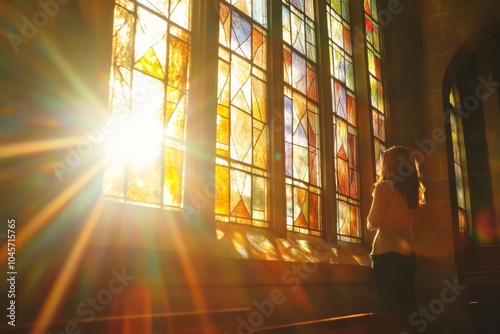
x: 199, y: 197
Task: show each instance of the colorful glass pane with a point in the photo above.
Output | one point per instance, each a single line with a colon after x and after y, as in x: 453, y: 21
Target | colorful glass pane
x: 460, y: 186
x: 344, y: 120
x: 374, y: 59
x: 301, y: 118
x: 148, y: 99
x: 242, y: 133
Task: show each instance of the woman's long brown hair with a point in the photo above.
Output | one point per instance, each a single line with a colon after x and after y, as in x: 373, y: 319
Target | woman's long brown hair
x: 401, y: 168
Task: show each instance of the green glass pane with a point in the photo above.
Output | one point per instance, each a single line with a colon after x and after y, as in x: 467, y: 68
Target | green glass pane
x: 374, y: 10
x: 335, y: 4
x: 345, y: 11
x: 374, y: 91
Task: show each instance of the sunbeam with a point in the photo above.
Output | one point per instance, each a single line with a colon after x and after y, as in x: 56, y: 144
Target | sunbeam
x: 37, y: 146
x: 60, y: 286
x: 57, y: 204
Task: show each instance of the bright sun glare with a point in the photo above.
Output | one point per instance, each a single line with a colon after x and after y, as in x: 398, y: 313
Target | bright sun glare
x: 138, y: 136
x: 135, y: 139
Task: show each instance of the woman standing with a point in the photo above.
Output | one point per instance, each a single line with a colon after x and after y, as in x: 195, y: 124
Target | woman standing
x: 397, y: 195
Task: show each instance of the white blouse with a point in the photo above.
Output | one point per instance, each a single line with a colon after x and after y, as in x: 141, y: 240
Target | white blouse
x: 391, y: 217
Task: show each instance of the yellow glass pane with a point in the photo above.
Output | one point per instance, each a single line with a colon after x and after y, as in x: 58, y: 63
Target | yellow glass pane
x: 301, y: 209
x: 150, y: 64
x: 241, y: 136
x: 144, y: 183
x: 261, y: 142
x: 241, y: 89
x: 259, y: 99
x: 178, y: 57
x: 122, y: 43
x: 150, y: 43
x: 173, y: 177
x: 221, y: 190
x: 175, y: 127
x: 223, y: 84
x: 223, y: 131
x: 241, y: 194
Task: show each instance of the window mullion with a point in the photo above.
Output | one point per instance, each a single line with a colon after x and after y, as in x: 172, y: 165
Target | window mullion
x: 200, y: 167
x: 277, y: 131
x: 327, y: 136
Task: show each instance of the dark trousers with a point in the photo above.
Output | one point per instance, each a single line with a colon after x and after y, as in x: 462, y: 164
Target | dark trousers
x: 394, y: 277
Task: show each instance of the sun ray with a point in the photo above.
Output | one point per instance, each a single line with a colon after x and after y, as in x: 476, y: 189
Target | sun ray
x: 191, y: 277
x: 44, y: 216
x: 37, y: 146
x: 60, y: 286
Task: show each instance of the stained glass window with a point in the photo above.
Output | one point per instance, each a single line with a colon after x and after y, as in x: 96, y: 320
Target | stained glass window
x: 302, y: 141
x: 344, y: 121
x: 374, y: 53
x: 242, y: 135
x: 458, y: 163
x: 148, y: 93
x: 145, y: 149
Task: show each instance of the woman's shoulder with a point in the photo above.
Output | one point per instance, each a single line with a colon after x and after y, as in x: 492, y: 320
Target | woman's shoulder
x: 384, y: 185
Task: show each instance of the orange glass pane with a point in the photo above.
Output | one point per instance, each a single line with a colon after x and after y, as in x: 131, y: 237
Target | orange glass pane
x: 222, y: 190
